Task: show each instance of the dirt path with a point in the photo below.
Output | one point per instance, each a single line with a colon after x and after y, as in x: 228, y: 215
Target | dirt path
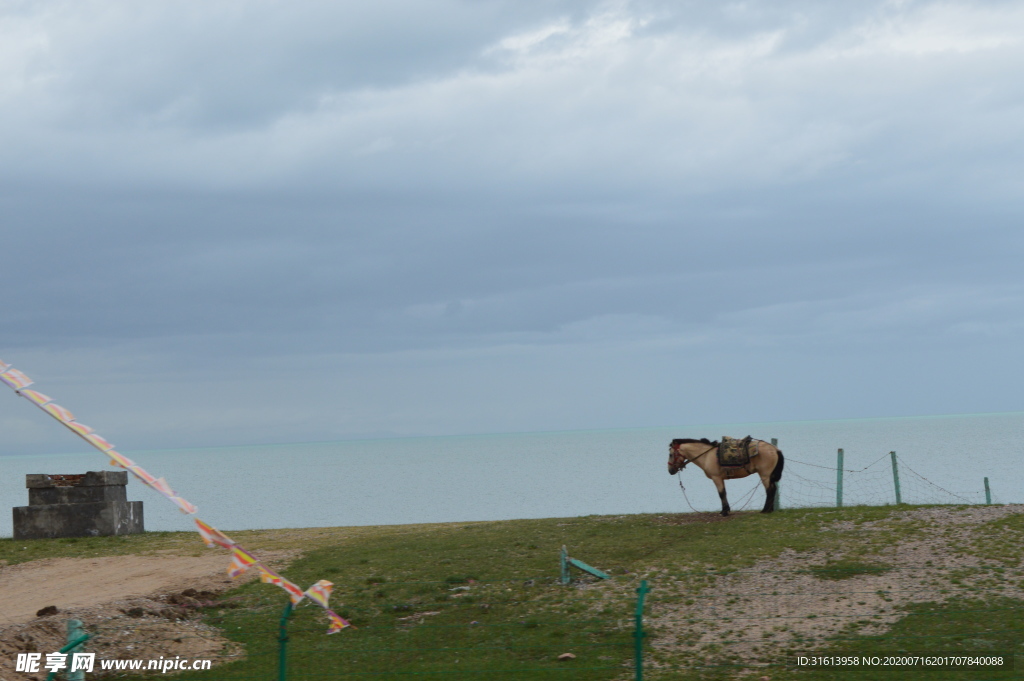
x: 75, y: 583
x: 137, y: 607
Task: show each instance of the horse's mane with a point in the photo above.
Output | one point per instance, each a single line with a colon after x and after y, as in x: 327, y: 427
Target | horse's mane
x: 686, y: 441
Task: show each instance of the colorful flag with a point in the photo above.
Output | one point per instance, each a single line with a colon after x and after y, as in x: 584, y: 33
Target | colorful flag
x: 241, y: 560
x: 15, y: 379
x: 160, y: 485
x: 320, y: 592
x: 37, y: 397
x: 211, y: 535
x: 140, y: 473
x: 118, y: 459
x: 337, y: 622
x: 80, y: 428
x: 184, y: 506
x: 98, y: 442
x: 268, y: 576
x: 58, y: 412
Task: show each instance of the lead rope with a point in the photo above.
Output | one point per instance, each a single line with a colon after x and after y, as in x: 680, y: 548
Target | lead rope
x: 745, y: 500
x: 680, y: 481
x: 680, y: 478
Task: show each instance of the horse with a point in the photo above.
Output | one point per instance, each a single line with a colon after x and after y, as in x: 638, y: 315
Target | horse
x: 767, y: 462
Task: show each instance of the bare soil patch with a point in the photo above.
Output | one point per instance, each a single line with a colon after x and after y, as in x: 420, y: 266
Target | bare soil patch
x: 780, y: 603
x: 137, y: 606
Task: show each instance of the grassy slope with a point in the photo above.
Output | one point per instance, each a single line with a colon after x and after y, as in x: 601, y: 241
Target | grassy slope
x: 514, y: 616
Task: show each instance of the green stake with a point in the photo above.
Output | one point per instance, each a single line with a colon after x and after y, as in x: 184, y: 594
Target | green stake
x: 988, y: 493
x: 75, y: 633
x: 565, y: 561
x: 71, y: 645
x: 896, y: 478
x: 638, y: 634
x: 839, y: 479
x: 282, y: 659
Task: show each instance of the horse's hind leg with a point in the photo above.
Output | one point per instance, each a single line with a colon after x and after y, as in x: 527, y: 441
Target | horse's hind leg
x: 769, y: 502
x: 720, y: 484
x: 770, y: 489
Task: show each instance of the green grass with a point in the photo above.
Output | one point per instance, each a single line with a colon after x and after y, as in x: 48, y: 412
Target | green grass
x: 405, y: 590
x: 14, y: 551
x: 999, y: 540
x: 845, y: 569
x: 959, y: 626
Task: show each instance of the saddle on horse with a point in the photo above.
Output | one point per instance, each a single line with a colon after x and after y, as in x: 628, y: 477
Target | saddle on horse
x: 732, y: 452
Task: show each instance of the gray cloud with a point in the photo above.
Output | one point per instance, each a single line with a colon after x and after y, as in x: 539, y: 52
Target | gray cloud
x: 465, y: 217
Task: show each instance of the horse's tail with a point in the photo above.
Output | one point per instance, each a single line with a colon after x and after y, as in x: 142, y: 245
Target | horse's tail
x: 777, y: 472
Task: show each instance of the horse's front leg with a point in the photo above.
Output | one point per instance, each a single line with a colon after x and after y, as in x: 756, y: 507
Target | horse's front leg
x: 720, y: 484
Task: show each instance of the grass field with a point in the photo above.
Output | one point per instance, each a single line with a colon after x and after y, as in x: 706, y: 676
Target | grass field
x: 481, y: 600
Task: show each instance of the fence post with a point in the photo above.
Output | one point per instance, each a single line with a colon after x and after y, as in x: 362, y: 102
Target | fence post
x: 282, y: 657
x: 638, y: 634
x: 778, y: 491
x: 563, y: 562
x: 75, y: 638
x: 839, y: 479
x: 988, y: 494
x: 896, y: 478
x: 72, y: 644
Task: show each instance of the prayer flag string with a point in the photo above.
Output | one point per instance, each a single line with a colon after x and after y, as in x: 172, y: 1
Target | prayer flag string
x: 241, y: 560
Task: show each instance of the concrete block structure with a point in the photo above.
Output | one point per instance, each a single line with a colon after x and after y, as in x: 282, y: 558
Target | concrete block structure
x: 92, y: 504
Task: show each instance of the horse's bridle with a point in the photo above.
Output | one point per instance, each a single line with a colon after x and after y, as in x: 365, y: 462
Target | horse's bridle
x: 686, y: 461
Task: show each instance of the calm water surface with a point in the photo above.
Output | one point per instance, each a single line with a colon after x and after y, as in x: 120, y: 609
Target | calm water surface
x: 493, y: 477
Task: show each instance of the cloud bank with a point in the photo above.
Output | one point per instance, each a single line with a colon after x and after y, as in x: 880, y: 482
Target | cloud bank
x: 259, y: 221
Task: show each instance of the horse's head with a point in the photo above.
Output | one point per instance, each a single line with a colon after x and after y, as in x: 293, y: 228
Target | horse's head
x: 684, y: 451
x: 676, y: 460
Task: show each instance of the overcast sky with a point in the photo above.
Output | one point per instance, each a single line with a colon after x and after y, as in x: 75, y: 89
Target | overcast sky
x: 236, y: 222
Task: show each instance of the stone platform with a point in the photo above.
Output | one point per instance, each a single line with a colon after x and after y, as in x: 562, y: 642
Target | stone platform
x: 92, y: 504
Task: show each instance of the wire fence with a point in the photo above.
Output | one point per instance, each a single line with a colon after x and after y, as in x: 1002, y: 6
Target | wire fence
x: 886, y: 480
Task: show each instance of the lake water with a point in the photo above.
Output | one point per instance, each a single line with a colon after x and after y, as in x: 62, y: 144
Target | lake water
x: 532, y: 475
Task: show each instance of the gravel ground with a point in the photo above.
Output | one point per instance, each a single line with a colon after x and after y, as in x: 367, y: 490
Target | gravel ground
x: 778, y: 603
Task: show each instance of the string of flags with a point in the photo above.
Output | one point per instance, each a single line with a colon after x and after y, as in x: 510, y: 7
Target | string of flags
x: 241, y: 560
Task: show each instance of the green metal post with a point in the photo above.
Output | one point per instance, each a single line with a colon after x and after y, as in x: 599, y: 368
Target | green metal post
x: 896, y: 478
x: 988, y: 493
x: 564, y: 564
x: 638, y: 635
x: 72, y: 645
x: 282, y: 659
x: 839, y: 479
x: 75, y: 633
